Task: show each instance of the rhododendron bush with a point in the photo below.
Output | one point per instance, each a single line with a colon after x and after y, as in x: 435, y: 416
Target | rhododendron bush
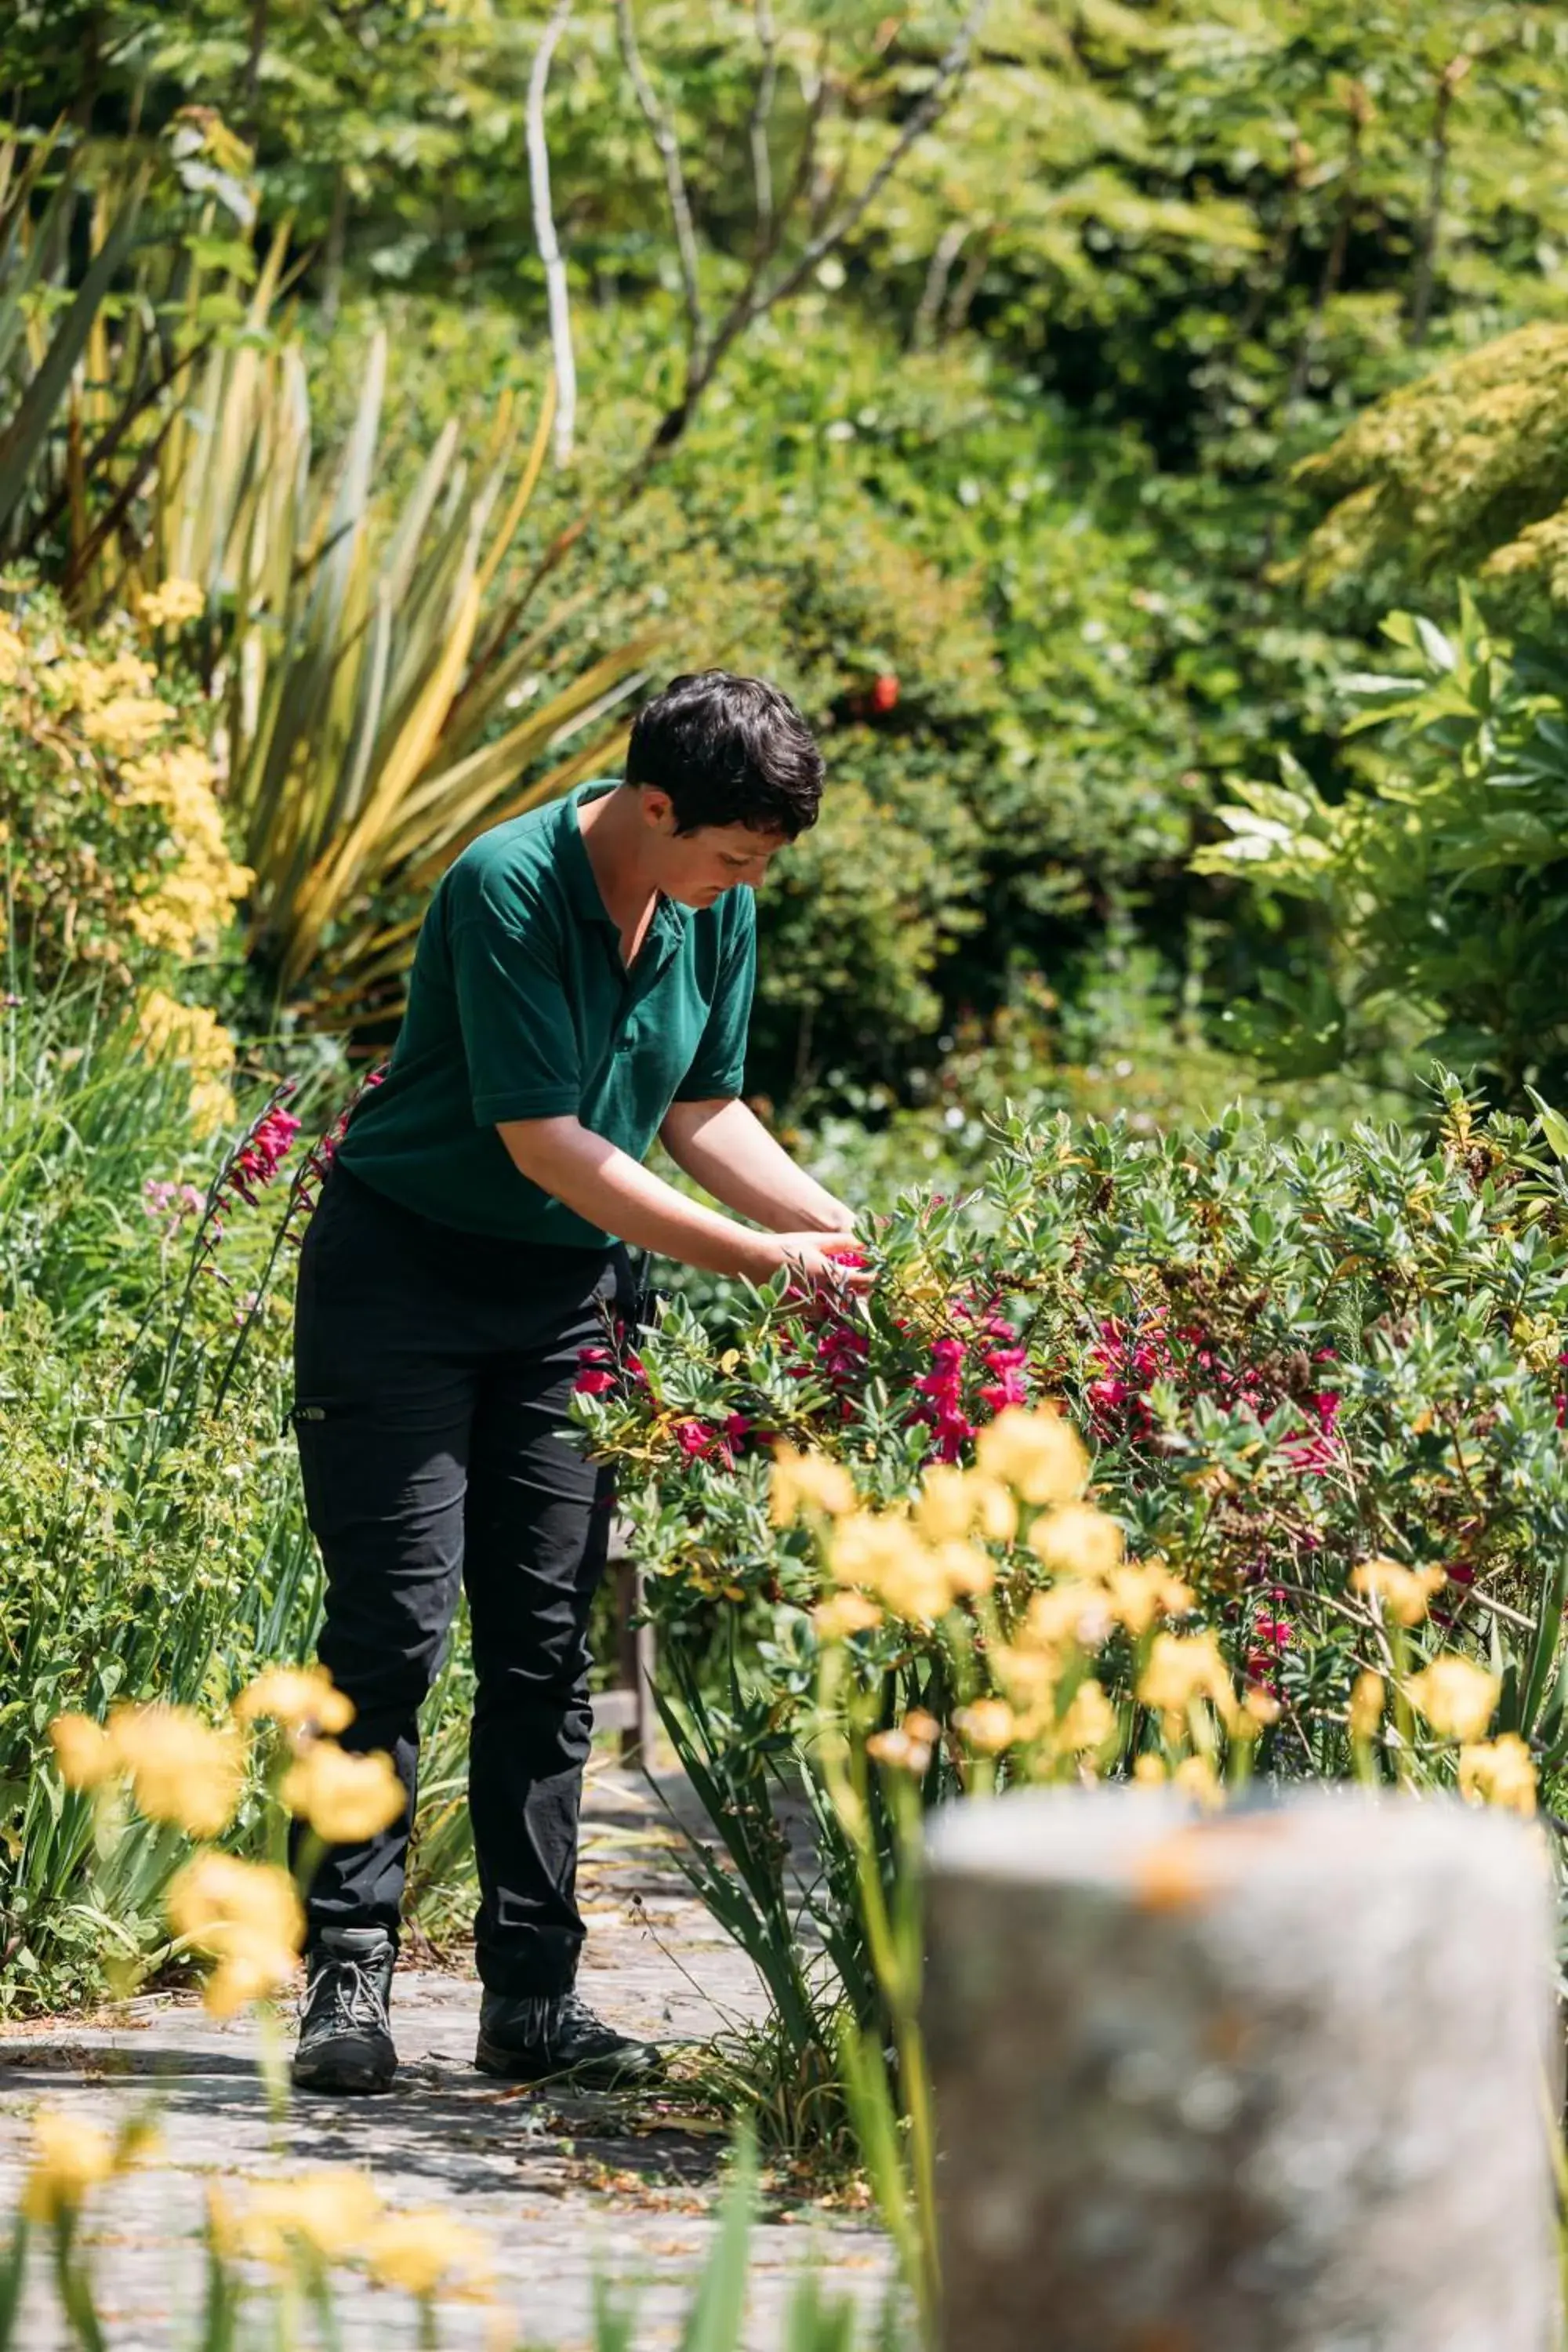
x: 1201, y: 1456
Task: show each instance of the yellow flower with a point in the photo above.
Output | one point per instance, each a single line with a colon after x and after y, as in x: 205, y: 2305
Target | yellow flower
x: 988, y: 1725
x: 181, y: 1768
x: 844, y: 1613
x: 1368, y: 1695
x: 190, y: 1033
x: 907, y: 1748
x: 194, y: 901
x: 1404, y: 1594
x: 298, y: 1697
x: 1183, y: 1668
x: 1037, y: 1453
x: 1456, y: 1696
x: 83, y: 1751
x: 345, y: 1798
x: 954, y: 1504
x: 420, y: 2251
x: 1090, y: 1721
x: 808, y: 1481
x: 70, y: 2158
x: 882, y: 1552
x: 1076, y: 1539
x: 966, y: 1567
x: 247, y: 1915
x: 1196, y: 1778
x: 332, y: 2212
x: 175, y: 602
x: 126, y: 721
x: 1149, y: 1771
x: 1260, y: 1708
x: 1073, y: 1611
x: 1029, y: 1676
x: 1140, y: 1594
x: 12, y: 655
x: 1498, y: 1772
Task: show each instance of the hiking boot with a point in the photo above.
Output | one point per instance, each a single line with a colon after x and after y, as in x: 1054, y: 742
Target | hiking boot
x: 538, y: 2037
x: 345, y: 2041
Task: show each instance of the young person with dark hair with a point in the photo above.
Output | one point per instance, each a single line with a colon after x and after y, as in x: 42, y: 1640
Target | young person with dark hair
x: 583, y: 983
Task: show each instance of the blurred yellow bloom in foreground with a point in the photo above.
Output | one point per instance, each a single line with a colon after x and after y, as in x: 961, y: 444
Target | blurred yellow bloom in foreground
x: 808, y: 1481
x: 1183, y: 1668
x: 83, y: 1751
x: 333, y: 2212
x: 1090, y: 1721
x: 420, y: 2251
x: 1455, y: 1696
x: 1037, y: 1453
x: 248, y: 1917
x: 843, y: 1613
x: 954, y: 1504
x: 181, y: 1768
x: 881, y: 1551
x: 1140, y: 1594
x: 1498, y: 1772
x: 298, y: 1697
x: 1404, y: 1594
x: 345, y: 1798
x: 907, y: 1748
x: 988, y: 1725
x: 1078, y: 1541
x: 1195, y: 1776
x: 68, y: 2158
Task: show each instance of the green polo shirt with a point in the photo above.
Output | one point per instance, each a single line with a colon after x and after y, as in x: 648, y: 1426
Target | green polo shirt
x: 519, y: 1006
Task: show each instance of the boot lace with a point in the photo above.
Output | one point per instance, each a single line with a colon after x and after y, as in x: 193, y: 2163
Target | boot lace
x: 344, y: 1994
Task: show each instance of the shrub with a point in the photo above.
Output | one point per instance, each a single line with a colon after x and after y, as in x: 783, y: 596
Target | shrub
x: 112, y: 832
x: 1321, y: 1383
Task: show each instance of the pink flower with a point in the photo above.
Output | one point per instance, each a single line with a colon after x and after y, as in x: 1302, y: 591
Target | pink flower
x: 694, y: 1437
x: 1011, y: 1385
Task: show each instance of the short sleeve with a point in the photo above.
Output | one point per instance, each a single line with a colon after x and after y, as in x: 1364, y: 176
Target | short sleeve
x: 719, y: 1066
x: 518, y: 1037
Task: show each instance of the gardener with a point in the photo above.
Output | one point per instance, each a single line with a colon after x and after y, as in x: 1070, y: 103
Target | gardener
x: 583, y: 983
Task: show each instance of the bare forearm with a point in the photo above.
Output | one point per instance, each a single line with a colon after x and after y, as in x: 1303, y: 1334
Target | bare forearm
x: 610, y: 1188
x: 725, y: 1147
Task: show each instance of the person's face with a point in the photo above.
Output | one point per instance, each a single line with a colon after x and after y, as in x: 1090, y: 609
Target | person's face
x: 697, y: 868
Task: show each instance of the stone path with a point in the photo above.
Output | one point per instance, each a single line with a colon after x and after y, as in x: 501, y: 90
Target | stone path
x: 564, y: 2192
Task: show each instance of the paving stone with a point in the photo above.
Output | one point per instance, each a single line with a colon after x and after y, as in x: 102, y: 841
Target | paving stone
x: 565, y: 2192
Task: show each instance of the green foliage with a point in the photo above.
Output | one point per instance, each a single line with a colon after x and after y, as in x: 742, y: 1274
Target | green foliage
x: 1441, y: 885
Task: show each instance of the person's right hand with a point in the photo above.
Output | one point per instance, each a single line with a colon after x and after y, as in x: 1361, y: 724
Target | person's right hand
x: 824, y: 1261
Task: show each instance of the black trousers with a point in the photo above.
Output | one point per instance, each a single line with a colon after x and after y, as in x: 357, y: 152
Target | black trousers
x: 433, y: 1371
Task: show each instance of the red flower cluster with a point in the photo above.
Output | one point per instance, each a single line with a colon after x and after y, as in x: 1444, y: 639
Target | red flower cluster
x: 1124, y: 1363
x: 258, y: 1160
x: 992, y: 1346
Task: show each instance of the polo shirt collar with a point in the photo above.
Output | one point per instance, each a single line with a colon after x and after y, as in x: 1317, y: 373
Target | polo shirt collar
x: 582, y: 884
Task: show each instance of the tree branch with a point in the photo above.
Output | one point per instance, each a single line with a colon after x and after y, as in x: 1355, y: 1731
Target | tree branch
x: 949, y: 246
x: 1448, y: 81
x: 545, y: 238
x: 757, y: 130
x: 659, y: 123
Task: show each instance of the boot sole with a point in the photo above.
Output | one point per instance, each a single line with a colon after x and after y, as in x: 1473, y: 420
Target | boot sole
x: 590, y: 2073
x: 344, y: 2075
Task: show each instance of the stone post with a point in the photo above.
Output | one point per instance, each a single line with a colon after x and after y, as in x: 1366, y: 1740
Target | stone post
x: 1277, y: 2081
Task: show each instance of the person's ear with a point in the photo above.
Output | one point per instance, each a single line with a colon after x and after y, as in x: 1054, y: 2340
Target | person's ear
x: 659, y: 809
